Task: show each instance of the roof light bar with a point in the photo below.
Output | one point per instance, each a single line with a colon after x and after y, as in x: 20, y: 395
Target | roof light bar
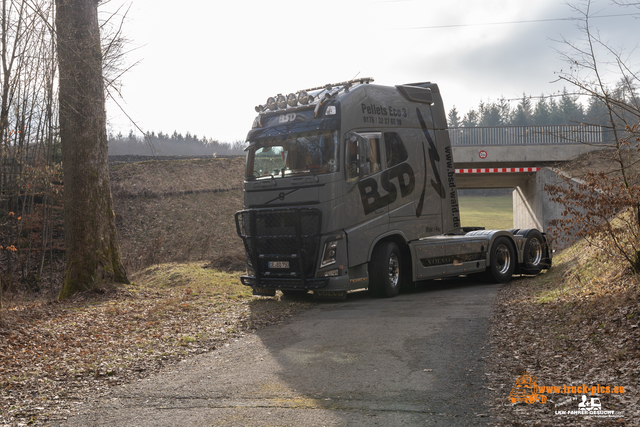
x: 304, y: 98
x: 292, y: 100
x: 271, y: 103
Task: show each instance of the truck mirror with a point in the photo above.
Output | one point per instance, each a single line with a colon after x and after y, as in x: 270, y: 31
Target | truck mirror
x: 365, y: 168
x: 364, y: 152
x: 365, y: 155
x: 365, y: 149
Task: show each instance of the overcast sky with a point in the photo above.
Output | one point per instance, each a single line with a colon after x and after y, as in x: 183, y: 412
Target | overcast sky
x: 204, y: 65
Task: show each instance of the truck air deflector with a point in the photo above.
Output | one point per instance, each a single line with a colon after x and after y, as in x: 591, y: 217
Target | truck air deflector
x: 282, y: 246
x: 422, y: 95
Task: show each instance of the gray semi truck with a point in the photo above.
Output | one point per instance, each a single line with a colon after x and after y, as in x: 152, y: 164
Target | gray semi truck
x: 352, y: 185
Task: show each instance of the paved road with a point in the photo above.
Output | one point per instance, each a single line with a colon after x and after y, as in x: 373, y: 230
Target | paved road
x: 416, y: 359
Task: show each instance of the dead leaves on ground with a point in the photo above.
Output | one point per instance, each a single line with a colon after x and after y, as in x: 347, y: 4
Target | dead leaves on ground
x: 577, y: 324
x: 57, y: 354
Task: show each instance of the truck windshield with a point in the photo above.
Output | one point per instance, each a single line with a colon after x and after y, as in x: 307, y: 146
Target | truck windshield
x: 298, y: 153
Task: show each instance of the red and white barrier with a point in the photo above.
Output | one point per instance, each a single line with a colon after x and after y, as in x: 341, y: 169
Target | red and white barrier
x: 497, y: 170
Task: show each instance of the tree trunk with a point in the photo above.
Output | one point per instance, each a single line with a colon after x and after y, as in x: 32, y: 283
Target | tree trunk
x: 92, y: 252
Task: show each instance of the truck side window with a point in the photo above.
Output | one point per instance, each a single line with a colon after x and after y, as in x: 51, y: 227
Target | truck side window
x: 394, y: 149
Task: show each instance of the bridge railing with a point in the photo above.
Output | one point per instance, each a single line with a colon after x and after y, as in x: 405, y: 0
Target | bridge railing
x: 527, y: 135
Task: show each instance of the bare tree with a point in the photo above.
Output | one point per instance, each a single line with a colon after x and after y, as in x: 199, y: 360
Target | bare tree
x: 605, y: 208
x: 92, y: 252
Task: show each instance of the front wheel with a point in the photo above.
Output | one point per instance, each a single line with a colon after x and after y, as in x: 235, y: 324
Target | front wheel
x: 384, y: 271
x: 502, y: 260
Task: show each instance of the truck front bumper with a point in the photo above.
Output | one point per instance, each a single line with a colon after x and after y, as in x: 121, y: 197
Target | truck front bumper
x: 338, y: 284
x: 281, y: 283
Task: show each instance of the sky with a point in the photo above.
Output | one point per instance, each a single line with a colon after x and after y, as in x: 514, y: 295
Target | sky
x: 202, y: 66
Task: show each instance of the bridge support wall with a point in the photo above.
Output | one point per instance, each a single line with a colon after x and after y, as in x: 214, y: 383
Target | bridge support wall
x: 532, y: 205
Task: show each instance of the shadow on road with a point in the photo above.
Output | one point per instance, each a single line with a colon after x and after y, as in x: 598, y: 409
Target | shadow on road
x: 416, y: 360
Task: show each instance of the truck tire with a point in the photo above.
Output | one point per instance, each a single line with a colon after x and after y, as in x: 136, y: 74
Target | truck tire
x: 502, y: 260
x: 385, y: 273
x: 534, y: 253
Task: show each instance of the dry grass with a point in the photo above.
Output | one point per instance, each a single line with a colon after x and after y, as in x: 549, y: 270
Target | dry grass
x: 575, y: 324
x: 178, y: 211
x: 57, y: 356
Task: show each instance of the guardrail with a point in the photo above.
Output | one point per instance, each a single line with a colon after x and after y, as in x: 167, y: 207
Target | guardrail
x: 527, y: 135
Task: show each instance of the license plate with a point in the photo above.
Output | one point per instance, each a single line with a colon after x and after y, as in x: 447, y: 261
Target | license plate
x: 278, y: 264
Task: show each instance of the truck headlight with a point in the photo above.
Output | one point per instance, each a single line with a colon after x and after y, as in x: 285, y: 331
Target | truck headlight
x: 329, y: 253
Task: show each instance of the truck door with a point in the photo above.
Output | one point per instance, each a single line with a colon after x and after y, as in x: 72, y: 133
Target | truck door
x: 416, y: 210
x: 366, y: 202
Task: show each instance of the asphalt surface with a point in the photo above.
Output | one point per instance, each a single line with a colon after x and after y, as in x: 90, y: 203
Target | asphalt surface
x: 417, y: 359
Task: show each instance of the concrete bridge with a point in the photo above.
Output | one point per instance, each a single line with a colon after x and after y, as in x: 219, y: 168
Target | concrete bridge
x: 521, y: 158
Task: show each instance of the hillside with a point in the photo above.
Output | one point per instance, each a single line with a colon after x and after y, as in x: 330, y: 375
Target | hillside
x: 577, y: 324
x: 178, y: 210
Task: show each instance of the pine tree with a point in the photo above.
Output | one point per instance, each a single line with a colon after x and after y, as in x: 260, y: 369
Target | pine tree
x: 523, y: 114
x: 453, y: 118
x: 542, y: 113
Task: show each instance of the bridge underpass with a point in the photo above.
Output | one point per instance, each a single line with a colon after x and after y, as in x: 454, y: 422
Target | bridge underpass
x: 520, y: 158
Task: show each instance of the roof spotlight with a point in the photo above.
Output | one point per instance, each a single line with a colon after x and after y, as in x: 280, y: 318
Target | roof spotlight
x: 303, y: 97
x: 281, y: 101
x: 271, y: 103
x: 292, y: 100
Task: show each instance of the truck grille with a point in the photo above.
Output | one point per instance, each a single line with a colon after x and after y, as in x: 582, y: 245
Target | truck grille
x: 281, y: 243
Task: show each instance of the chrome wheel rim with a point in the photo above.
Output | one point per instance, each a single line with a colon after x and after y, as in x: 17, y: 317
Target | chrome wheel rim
x: 503, y: 259
x: 535, y: 251
x: 394, y: 270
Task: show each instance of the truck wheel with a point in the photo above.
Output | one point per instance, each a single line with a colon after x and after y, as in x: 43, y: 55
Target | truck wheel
x: 502, y: 260
x: 534, y: 252
x: 384, y: 271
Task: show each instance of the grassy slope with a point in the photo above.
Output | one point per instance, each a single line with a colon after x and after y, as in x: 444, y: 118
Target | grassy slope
x: 575, y: 324
x: 178, y: 211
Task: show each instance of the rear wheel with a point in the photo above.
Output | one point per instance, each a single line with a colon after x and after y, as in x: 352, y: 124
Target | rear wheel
x: 502, y: 260
x: 534, y: 254
x: 385, y: 273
